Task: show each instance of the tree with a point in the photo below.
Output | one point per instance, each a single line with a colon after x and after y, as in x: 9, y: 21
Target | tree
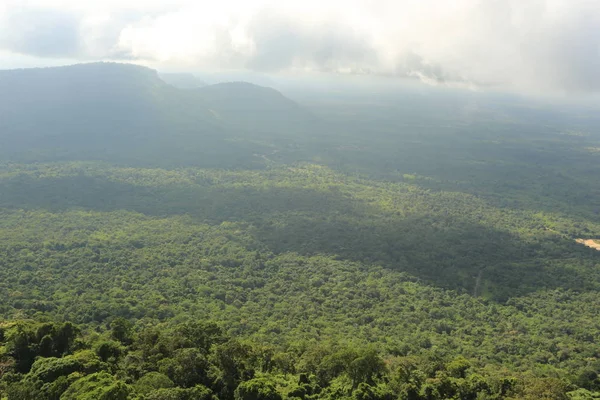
x: 458, y: 367
x: 98, y: 386
x: 64, y: 338
x: 121, y: 330
x: 21, y: 349
x: 257, y: 389
x: 187, y: 368
x: 153, y: 381
x: 367, y: 392
x: 366, y: 368
x: 108, y: 350
x: 201, y: 335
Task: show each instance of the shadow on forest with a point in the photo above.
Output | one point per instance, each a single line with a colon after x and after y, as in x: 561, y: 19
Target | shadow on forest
x: 446, y: 252
x: 539, y: 172
x: 210, y: 204
x: 437, y: 249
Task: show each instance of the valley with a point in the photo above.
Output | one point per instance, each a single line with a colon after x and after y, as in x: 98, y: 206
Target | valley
x: 227, y: 242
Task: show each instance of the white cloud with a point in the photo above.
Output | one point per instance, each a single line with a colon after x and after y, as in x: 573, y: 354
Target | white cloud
x: 523, y: 44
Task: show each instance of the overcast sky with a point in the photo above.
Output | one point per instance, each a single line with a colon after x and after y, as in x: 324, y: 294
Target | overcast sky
x: 525, y: 45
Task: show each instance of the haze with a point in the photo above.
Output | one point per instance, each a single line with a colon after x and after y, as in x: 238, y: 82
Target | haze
x: 533, y: 46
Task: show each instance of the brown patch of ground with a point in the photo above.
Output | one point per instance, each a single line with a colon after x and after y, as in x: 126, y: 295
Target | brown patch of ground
x: 589, y: 243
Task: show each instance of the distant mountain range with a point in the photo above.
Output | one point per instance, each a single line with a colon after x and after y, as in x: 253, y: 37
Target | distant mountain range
x: 125, y: 112
x: 182, y: 81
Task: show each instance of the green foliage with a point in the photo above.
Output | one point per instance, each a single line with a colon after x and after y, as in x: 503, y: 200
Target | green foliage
x: 545, y: 389
x: 201, y: 248
x: 458, y: 367
x: 583, y: 394
x: 24, y: 390
x: 49, y: 369
x: 97, y: 386
x: 366, y: 368
x: 196, y: 393
x: 201, y: 335
x: 366, y: 392
x: 153, y: 381
x: 108, y: 350
x: 27, y: 340
x: 257, y: 389
x: 232, y: 360
x: 121, y: 330
x: 187, y: 368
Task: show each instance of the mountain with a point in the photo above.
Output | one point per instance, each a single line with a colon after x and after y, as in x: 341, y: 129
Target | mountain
x: 259, y: 79
x: 246, y: 106
x: 90, y: 107
x: 182, y: 81
x: 127, y: 112
x: 72, y: 100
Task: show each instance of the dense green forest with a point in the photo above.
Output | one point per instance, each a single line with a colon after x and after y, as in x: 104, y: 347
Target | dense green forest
x: 225, y: 242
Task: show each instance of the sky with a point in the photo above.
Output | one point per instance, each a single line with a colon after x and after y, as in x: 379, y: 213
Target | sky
x: 524, y: 45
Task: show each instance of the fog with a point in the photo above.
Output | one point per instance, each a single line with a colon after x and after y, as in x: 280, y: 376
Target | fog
x: 534, y: 47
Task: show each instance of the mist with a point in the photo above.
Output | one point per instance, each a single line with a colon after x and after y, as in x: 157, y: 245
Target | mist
x: 535, y: 46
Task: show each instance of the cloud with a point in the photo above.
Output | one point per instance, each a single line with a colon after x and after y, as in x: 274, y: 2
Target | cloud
x: 54, y: 29
x: 40, y: 32
x: 532, y: 45
x: 281, y: 41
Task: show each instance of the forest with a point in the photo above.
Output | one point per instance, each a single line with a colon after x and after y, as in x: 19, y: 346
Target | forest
x: 401, y: 246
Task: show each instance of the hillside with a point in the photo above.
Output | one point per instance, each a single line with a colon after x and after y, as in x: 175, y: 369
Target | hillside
x: 182, y: 81
x: 245, y: 107
x: 74, y: 100
x: 126, y: 113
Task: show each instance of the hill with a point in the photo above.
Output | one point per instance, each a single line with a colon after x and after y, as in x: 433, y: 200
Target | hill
x: 127, y: 113
x: 247, y: 107
x: 182, y: 81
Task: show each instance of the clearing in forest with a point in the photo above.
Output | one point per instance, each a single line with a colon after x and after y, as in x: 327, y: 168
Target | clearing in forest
x: 593, y: 243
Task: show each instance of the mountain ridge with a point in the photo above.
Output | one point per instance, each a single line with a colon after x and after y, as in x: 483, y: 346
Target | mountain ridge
x: 112, y: 108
